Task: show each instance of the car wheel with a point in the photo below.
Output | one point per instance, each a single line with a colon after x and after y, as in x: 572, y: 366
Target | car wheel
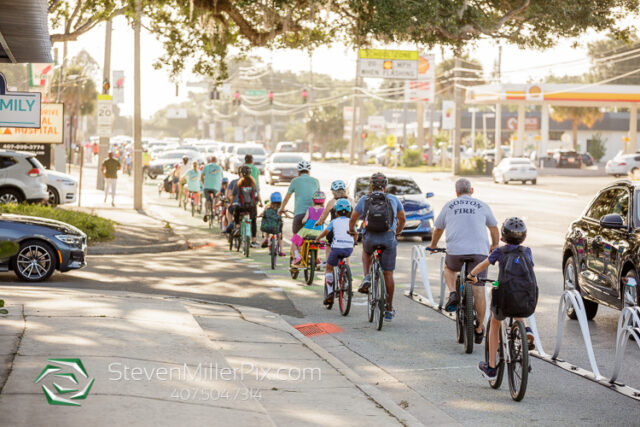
x: 54, y: 198
x: 571, y: 282
x: 10, y: 196
x: 534, y: 181
x: 152, y: 175
x: 35, y: 261
x: 630, y: 294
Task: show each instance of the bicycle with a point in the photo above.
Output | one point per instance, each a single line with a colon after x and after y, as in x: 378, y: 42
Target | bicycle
x: 245, y: 233
x: 466, y: 316
x: 377, y: 296
x: 309, y: 254
x: 342, y: 287
x: 211, y: 212
x: 193, y: 196
x: 513, y: 349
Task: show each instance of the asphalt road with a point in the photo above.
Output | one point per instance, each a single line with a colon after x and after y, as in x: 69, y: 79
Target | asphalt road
x: 418, y: 350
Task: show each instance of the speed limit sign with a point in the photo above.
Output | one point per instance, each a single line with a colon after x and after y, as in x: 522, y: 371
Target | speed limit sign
x: 105, y: 115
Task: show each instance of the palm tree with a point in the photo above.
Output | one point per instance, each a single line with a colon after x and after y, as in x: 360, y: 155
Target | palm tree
x: 578, y: 115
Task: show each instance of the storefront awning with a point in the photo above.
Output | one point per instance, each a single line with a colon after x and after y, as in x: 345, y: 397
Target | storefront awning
x: 24, y: 31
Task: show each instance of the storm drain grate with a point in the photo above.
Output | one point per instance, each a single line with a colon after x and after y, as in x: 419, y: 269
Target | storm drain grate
x: 313, y: 329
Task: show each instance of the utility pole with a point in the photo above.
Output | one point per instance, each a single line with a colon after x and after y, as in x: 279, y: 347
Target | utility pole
x: 498, y: 119
x: 103, y: 145
x: 420, y: 124
x: 432, y: 113
x: 310, y: 96
x: 455, y: 152
x: 354, y: 106
x: 137, y: 119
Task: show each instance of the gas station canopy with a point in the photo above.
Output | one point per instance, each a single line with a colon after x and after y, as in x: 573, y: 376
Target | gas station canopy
x: 24, y: 31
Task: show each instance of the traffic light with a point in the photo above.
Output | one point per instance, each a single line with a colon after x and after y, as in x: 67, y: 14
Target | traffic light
x: 236, y: 98
x: 106, y: 85
x: 271, y: 97
x: 305, y: 94
x: 364, y: 135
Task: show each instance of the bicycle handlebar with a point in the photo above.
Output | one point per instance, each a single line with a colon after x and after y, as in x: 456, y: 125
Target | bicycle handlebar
x: 436, y: 250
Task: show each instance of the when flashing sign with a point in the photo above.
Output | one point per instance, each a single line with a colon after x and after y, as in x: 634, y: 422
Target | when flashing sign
x: 19, y: 109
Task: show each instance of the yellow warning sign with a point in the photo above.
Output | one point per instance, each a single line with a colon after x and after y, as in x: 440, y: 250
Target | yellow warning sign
x: 51, y: 128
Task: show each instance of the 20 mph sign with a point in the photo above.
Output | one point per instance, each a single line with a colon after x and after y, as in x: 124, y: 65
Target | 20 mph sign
x: 105, y: 115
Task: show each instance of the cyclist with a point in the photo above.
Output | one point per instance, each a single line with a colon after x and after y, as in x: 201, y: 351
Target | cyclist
x: 341, y: 244
x: 182, y: 181
x: 310, y: 229
x: 514, y: 231
x: 255, y: 172
x: 272, y: 221
x: 339, y: 190
x: 244, y: 194
x: 304, y: 186
x: 384, y: 220
x: 211, y: 182
x: 465, y: 220
x: 193, y: 182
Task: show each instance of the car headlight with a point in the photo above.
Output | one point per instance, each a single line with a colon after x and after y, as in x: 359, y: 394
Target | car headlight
x: 424, y: 211
x: 70, y: 239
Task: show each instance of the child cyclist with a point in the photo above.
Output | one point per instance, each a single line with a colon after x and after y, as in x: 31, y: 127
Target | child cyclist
x: 341, y: 245
x: 309, y: 229
x: 516, y: 273
x: 272, y: 221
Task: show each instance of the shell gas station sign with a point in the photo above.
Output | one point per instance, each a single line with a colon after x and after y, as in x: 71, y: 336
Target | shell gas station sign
x: 51, y: 129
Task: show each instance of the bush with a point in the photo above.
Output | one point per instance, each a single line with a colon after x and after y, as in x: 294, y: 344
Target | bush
x: 473, y: 166
x: 97, y: 229
x: 411, y: 158
x: 596, y: 146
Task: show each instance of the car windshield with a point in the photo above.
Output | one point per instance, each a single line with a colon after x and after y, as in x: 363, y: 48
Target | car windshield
x: 519, y: 162
x: 175, y: 155
x: 286, y: 159
x: 251, y: 150
x: 396, y: 186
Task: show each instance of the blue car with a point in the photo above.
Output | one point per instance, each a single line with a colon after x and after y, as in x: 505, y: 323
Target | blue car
x: 418, y: 210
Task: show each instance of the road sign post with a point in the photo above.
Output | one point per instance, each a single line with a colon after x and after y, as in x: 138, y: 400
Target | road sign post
x: 105, y: 115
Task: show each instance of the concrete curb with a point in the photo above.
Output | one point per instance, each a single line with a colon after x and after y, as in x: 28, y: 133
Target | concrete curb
x: 181, y: 245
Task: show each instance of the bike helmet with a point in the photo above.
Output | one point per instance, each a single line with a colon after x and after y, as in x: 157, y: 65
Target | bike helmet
x: 244, y: 171
x: 304, y: 166
x: 225, y: 180
x: 342, y: 205
x: 185, y: 159
x: 378, y: 181
x: 318, y: 197
x: 338, y: 185
x: 276, y: 197
x: 514, y: 231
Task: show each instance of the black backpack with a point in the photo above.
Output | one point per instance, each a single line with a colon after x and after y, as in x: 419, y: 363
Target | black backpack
x: 247, y: 197
x: 378, y: 212
x: 517, y: 291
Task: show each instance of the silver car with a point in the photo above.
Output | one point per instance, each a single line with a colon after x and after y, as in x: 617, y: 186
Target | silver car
x: 62, y: 188
x: 22, y: 178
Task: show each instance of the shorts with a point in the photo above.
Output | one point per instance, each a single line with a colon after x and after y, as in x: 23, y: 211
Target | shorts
x: 210, y: 194
x: 387, y: 242
x: 499, y: 317
x: 175, y: 180
x: 455, y: 262
x: 336, y: 254
x: 297, y: 223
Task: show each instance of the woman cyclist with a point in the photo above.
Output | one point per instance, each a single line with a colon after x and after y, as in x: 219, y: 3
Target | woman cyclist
x: 245, y: 197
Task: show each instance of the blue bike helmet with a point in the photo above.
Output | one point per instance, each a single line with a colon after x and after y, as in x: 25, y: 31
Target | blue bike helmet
x: 276, y: 197
x: 338, y: 185
x: 342, y: 205
x: 225, y: 180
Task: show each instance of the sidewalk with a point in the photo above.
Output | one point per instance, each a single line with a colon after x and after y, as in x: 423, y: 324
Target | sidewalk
x: 167, y: 361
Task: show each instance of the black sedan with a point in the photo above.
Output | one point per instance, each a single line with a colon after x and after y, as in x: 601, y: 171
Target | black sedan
x: 45, y: 245
x: 601, y: 255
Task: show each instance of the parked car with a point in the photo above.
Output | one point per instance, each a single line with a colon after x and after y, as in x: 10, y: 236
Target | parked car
x: 61, y: 187
x: 282, y: 167
x: 285, y: 147
x: 419, y: 212
x: 22, y: 178
x: 587, y: 160
x: 515, y: 169
x: 623, y: 164
x: 602, y: 249
x: 166, y: 161
x: 226, y: 156
x: 567, y: 159
x: 236, y: 159
x: 45, y: 245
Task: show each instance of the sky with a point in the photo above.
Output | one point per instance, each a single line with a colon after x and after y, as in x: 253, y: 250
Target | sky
x: 338, y: 61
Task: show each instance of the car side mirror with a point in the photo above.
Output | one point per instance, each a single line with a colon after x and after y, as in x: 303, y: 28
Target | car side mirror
x: 429, y: 195
x: 613, y: 221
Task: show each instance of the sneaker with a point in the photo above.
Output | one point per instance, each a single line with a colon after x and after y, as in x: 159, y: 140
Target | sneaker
x: 329, y: 299
x: 452, y: 302
x: 389, y: 315
x: 479, y: 336
x: 254, y: 244
x: 531, y: 339
x: 281, y: 254
x: 365, y: 285
x: 488, y: 373
x: 265, y: 243
x: 296, y: 261
x: 205, y: 218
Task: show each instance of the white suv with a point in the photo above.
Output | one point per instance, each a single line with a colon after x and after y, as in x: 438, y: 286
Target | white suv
x: 62, y: 188
x: 22, y: 178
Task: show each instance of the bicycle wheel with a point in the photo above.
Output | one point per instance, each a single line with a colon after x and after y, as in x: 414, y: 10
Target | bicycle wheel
x: 371, y: 296
x: 518, y: 367
x: 310, y: 271
x: 344, y: 291
x: 460, y: 312
x: 237, y: 240
x: 469, y: 318
x: 246, y: 245
x: 230, y: 238
x: 193, y: 208
x: 273, y: 252
x: 380, y: 300
x: 499, y: 357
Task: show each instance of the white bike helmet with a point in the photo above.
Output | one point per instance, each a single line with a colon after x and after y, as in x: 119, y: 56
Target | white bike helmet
x: 338, y: 185
x: 304, y: 166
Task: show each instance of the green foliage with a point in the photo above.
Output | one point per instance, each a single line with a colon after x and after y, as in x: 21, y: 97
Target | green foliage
x: 473, y: 166
x: 620, y: 64
x: 411, y: 158
x: 326, y: 127
x: 96, y: 228
x: 77, y: 90
x: 295, y: 130
x: 597, y: 146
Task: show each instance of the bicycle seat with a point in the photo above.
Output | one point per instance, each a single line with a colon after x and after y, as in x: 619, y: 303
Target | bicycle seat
x: 379, y: 247
x: 467, y: 259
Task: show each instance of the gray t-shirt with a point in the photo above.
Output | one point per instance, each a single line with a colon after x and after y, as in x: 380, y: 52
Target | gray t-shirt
x: 465, y: 221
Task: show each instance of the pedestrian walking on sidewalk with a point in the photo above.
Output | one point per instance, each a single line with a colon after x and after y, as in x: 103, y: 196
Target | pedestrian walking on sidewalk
x: 110, y: 168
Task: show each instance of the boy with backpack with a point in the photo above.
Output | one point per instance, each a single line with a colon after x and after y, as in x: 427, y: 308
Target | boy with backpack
x: 272, y: 221
x: 517, y: 292
x: 245, y: 198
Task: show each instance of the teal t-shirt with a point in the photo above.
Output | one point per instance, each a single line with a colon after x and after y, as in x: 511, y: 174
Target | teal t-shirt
x: 255, y: 174
x: 303, y: 186
x: 193, y: 180
x: 212, y: 176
